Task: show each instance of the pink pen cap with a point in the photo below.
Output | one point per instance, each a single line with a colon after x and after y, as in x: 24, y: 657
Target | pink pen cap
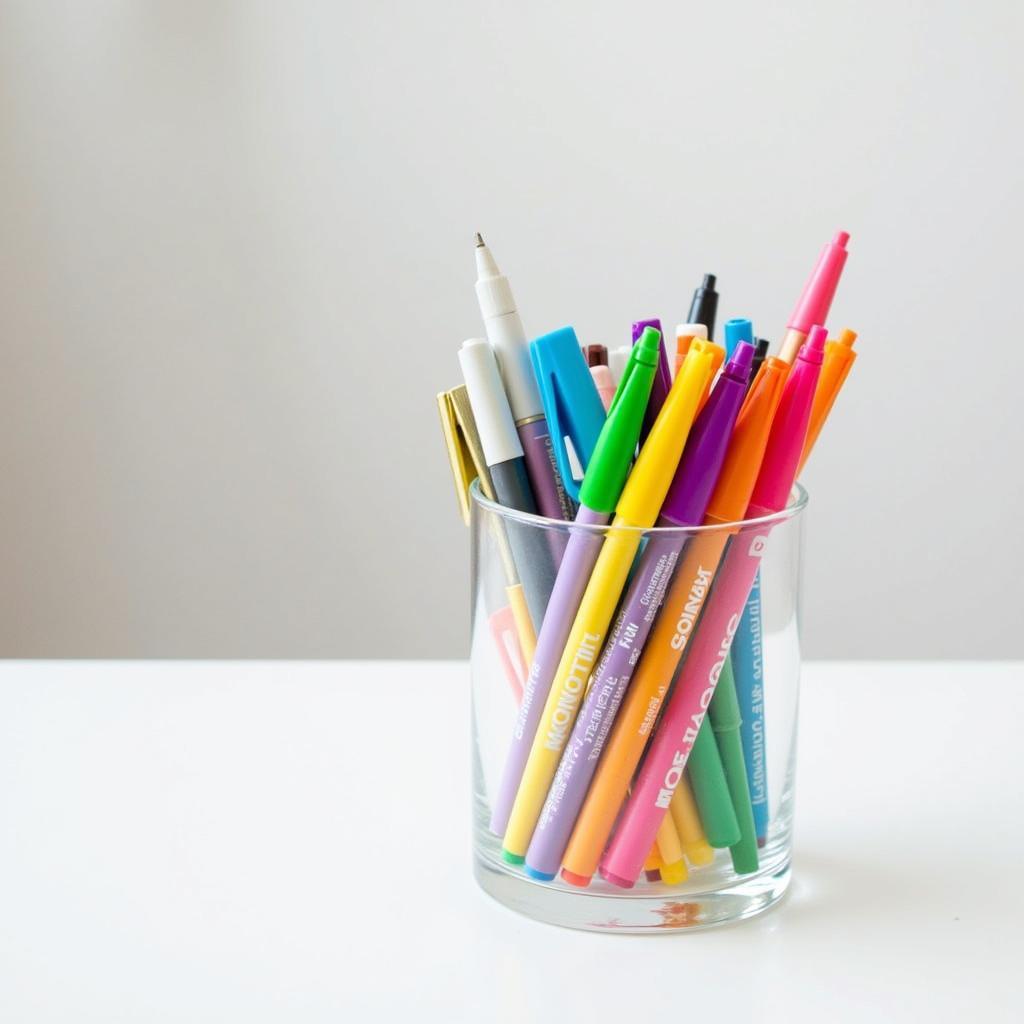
x: 789, y: 429
x: 820, y: 289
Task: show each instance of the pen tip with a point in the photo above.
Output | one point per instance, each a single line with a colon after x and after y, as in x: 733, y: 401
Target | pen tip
x: 479, y: 240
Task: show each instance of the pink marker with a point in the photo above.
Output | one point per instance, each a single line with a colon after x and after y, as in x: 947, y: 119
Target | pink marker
x: 709, y: 646
x: 814, y: 303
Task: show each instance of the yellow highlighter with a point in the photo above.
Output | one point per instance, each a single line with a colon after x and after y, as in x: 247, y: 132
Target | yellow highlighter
x: 686, y: 818
x: 637, y: 510
x: 673, y: 870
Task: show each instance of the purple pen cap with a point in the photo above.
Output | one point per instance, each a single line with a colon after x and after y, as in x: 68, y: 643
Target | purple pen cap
x: 691, y: 487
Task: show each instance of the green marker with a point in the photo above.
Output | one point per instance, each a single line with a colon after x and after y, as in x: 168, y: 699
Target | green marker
x: 711, y: 788
x: 724, y: 713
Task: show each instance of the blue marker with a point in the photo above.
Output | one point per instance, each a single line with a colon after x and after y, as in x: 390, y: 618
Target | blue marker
x: 737, y: 330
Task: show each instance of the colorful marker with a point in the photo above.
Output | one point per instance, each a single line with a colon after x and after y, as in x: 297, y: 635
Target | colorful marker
x: 813, y: 305
x: 673, y: 628
x: 704, y: 306
x: 599, y: 493
x: 508, y: 339
x: 662, y: 382
x: 597, y: 360
x: 688, y: 824
x: 636, y: 510
x: 685, y: 333
x: 651, y: 792
x: 684, y: 505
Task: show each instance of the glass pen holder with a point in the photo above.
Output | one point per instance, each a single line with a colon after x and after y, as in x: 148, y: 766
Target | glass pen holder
x: 622, y: 683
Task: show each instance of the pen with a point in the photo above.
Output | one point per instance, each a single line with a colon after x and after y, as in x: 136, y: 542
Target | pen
x: 597, y: 360
x: 466, y: 458
x: 672, y: 629
x: 635, y: 511
x: 659, y: 775
x: 601, y: 488
x: 617, y: 359
x: 684, y: 505
x: 685, y: 333
x: 662, y: 379
x: 760, y: 353
x: 814, y: 303
x: 736, y: 330
x: 839, y: 357
x: 507, y: 338
x: 503, y: 454
x: 688, y: 825
x: 704, y: 305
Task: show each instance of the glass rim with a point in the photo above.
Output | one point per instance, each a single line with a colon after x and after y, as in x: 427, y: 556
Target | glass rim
x: 798, y: 501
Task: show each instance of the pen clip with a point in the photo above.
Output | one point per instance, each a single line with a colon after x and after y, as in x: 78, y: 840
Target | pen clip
x: 571, y: 403
x: 465, y: 453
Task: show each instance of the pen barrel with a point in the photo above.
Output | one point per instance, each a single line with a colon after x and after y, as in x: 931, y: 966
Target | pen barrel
x: 748, y: 674
x: 671, y: 746
x: 542, y: 470
x: 711, y: 790
x: 531, y: 550
x: 581, y: 553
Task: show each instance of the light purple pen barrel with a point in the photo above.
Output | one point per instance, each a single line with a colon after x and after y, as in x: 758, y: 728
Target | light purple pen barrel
x: 573, y: 575
x: 552, y: 499
x: 685, y: 505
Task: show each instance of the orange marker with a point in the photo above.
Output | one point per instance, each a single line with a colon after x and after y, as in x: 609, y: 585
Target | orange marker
x: 839, y: 357
x: 685, y: 333
x: 673, y: 627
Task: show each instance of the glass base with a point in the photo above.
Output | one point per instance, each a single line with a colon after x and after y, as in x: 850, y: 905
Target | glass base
x: 647, y: 909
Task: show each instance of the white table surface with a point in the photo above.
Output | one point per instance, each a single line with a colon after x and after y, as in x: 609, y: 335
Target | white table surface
x: 222, y: 842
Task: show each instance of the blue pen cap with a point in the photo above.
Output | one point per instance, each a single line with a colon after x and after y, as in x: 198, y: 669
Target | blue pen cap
x: 737, y: 330
x: 572, y: 406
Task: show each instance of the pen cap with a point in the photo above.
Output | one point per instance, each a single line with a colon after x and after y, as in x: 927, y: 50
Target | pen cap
x: 760, y: 353
x: 839, y: 357
x: 617, y: 359
x: 597, y: 355
x: 708, y: 442
x: 465, y: 453
x: 648, y: 484
x: 690, y: 331
x: 731, y: 495
x: 737, y: 330
x: 789, y: 429
x: 505, y: 332
x: 820, y: 289
x: 613, y: 455
x: 494, y: 422
x: 572, y: 406
x: 705, y: 305
x: 662, y: 380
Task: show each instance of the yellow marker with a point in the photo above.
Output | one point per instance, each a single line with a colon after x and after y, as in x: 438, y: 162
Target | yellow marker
x: 686, y: 818
x: 673, y: 871
x: 638, y: 508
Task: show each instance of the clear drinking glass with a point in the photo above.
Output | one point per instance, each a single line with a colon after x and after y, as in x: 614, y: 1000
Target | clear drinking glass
x: 515, y: 559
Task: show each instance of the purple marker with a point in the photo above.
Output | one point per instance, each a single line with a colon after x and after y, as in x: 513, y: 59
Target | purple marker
x: 599, y: 493
x: 685, y: 505
x: 662, y: 382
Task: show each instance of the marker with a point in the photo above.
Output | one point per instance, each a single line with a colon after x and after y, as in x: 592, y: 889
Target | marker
x: 636, y: 510
x: 684, y: 505
x: 685, y: 333
x: 839, y: 357
x: 597, y: 360
x: 760, y: 354
x: 672, y: 629
x: 596, y: 355
x: 673, y: 863
x: 601, y: 488
x: 816, y: 300
x: 503, y: 454
x: 687, y: 821
x: 662, y: 382
x: 507, y: 338
x: 736, y: 330
x: 704, y: 306
x: 617, y: 360
x: 652, y: 789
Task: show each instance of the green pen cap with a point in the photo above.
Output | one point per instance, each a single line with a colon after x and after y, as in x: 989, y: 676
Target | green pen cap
x: 616, y: 444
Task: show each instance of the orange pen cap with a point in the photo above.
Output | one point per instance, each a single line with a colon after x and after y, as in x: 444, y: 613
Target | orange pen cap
x: 746, y: 449
x: 839, y: 357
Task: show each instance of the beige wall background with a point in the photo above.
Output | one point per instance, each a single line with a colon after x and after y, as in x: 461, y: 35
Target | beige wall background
x: 236, y: 262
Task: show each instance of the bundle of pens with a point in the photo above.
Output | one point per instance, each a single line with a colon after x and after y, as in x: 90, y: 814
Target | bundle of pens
x: 632, y: 635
